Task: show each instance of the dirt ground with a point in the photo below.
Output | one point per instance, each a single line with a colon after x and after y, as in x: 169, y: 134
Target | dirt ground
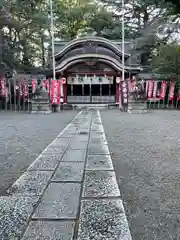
x: 22, y: 138
x: 146, y: 156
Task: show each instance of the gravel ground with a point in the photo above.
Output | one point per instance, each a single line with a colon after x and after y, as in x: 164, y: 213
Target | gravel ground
x: 22, y: 138
x: 146, y: 156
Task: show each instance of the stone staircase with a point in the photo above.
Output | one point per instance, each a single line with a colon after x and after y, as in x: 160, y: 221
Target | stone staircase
x: 137, y: 106
x: 90, y: 106
x: 40, y: 104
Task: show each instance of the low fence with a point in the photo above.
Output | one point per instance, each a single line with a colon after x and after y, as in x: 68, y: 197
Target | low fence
x: 162, y: 94
x: 18, y: 95
x: 90, y: 99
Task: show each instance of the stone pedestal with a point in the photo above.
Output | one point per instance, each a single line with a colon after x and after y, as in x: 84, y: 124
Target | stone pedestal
x: 40, y: 104
x: 137, y: 106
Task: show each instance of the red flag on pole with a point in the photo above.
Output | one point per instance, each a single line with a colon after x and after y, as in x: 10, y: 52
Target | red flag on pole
x: 47, y: 85
x: 155, y: 89
x: 25, y: 88
x: 3, y: 86
x: 34, y: 85
x: 150, y: 89
x: 178, y: 96
x: 171, y: 90
x: 163, y: 90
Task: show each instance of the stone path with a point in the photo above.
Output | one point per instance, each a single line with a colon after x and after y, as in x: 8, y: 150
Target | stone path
x: 70, y: 191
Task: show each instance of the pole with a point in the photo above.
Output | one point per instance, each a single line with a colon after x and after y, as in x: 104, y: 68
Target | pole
x: 122, y: 30
x: 52, y: 39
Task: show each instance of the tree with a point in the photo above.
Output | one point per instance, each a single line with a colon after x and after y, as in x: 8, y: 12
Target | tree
x: 175, y: 4
x: 166, y: 61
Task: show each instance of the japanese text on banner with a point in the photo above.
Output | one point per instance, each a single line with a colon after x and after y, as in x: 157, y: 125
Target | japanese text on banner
x: 3, y: 86
x: 150, y: 89
x: 163, y: 89
x: 55, y: 92
x: 171, y: 90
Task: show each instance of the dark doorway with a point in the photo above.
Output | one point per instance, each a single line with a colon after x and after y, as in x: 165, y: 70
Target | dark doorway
x: 95, y: 89
x: 86, y: 89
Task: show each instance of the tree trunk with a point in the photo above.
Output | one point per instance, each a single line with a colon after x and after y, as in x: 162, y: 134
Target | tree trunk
x: 1, y: 51
x: 43, y: 51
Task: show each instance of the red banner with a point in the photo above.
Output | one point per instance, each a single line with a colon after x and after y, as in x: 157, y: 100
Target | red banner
x: 34, y: 85
x: 150, y: 89
x: 55, y: 92
x: 171, y: 90
x: 178, y: 96
x: 21, y: 89
x: 132, y: 84
x: 25, y: 88
x: 47, y: 85
x: 3, y: 86
x: 155, y: 88
x: 163, y: 90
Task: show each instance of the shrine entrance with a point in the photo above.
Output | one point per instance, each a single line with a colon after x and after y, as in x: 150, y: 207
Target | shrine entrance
x: 90, y: 66
x: 91, y: 89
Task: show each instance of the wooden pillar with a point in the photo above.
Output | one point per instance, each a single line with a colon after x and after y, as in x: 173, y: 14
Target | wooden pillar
x: 65, y: 92
x: 117, y: 93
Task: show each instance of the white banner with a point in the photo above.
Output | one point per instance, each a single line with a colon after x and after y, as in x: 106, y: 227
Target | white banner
x: 90, y: 80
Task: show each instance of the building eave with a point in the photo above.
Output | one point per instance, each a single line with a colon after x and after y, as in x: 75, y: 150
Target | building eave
x: 76, y: 42
x: 99, y: 57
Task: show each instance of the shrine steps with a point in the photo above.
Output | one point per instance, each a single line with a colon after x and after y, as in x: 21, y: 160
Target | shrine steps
x: 91, y: 106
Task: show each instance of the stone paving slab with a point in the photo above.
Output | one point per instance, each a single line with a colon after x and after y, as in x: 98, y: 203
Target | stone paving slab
x: 69, y: 172
x: 49, y: 230
x: 77, y: 145
x: 74, y: 156
x: 53, y: 154
x: 31, y: 183
x: 81, y: 138
x: 99, y: 162
x: 94, y: 139
x: 55, y: 150
x: 59, y: 144
x: 95, y: 149
x: 45, y: 162
x: 100, y: 184
x: 60, y: 201
x: 14, y: 214
x: 103, y: 220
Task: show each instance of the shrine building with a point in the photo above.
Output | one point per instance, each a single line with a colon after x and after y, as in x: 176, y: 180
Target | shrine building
x: 92, y: 67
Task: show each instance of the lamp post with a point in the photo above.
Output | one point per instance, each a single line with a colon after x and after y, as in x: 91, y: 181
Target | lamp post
x: 122, y: 46
x: 52, y: 38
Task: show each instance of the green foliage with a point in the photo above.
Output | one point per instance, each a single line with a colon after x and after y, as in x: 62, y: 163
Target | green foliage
x: 167, y: 61
x: 25, y: 26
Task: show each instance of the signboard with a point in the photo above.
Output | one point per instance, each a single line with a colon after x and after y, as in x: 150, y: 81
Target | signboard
x: 55, y: 92
x: 90, y: 80
x: 124, y: 93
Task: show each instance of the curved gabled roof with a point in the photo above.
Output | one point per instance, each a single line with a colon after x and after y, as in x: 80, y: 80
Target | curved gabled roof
x: 82, y: 51
x: 101, y: 58
x: 97, y: 40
